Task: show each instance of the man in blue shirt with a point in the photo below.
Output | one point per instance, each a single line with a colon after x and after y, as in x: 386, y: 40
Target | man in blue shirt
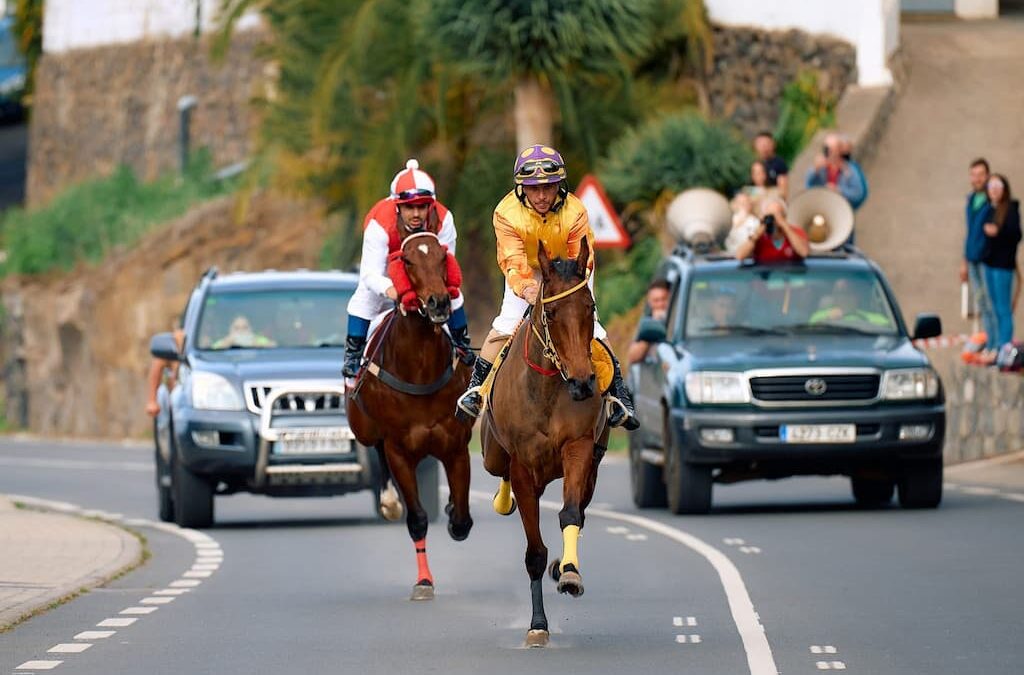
x: 978, y: 213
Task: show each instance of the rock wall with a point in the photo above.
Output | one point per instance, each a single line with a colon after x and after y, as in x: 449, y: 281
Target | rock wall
x: 97, y: 108
x: 752, y: 67
x: 77, y: 346
x: 984, y: 408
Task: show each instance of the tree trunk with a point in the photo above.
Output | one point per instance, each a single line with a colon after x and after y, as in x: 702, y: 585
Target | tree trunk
x: 534, y: 111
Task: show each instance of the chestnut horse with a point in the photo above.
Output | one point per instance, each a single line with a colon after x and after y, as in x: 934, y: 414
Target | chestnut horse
x: 545, y: 421
x: 402, y: 402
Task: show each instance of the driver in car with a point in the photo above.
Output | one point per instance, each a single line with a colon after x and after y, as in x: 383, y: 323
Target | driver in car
x: 846, y: 307
x: 241, y: 334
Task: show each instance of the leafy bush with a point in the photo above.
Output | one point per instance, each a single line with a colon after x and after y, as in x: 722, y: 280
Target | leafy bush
x: 88, y: 220
x: 622, y: 283
x: 805, y: 109
x: 673, y: 153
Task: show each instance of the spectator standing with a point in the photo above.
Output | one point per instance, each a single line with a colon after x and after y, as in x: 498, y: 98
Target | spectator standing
x: 657, y: 303
x: 775, y: 166
x: 831, y: 170
x: 759, y: 189
x: 1002, y: 233
x: 978, y: 213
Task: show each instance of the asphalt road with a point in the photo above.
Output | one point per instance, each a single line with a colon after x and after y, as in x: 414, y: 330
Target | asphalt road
x: 321, y: 586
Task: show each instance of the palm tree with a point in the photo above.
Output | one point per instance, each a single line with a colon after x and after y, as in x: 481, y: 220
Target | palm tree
x: 538, y: 45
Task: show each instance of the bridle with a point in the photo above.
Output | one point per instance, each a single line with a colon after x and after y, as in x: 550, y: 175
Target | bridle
x: 550, y: 352
x: 419, y: 304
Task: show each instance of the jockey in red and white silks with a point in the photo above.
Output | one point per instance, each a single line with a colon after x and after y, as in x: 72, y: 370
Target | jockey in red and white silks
x: 413, y: 203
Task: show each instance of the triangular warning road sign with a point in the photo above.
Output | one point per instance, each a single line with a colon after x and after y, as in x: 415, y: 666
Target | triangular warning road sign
x: 604, y: 220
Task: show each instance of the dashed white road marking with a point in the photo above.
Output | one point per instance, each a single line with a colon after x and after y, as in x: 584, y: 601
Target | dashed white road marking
x: 138, y: 610
x: 172, y: 591
x: 819, y: 649
x: 752, y: 634
x: 69, y: 648
x: 830, y: 665
x: 116, y: 622
x: 637, y: 536
x: 95, y: 634
x: 185, y: 583
x: 692, y: 639
x: 979, y: 490
x: 197, y: 574
x: 206, y: 567
x: 39, y: 665
x: 750, y: 549
x: 616, y: 529
x: 680, y: 621
x: 1013, y: 496
x: 156, y: 601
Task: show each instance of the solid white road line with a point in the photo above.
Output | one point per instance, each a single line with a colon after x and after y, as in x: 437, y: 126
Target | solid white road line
x: 755, y: 643
x: 116, y: 622
x: 69, y: 648
x: 39, y: 665
x: 80, y: 464
x: 95, y: 634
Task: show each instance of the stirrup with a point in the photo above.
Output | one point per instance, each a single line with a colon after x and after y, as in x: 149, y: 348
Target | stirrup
x: 463, y: 404
x: 615, y: 405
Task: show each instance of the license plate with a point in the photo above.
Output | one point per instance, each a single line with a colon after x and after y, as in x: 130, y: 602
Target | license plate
x: 818, y: 433
x: 313, y: 442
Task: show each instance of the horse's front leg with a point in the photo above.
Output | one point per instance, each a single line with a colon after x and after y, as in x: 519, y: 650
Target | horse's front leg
x: 456, y: 468
x: 577, y: 466
x: 536, y: 552
x: 404, y: 472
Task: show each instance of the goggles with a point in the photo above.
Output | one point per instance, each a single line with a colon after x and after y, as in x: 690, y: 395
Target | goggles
x: 540, y: 167
x: 417, y: 194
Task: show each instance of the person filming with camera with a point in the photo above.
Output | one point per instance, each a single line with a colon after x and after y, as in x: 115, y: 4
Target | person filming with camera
x: 775, y: 240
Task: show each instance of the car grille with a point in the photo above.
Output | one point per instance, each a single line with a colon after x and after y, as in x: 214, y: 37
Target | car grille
x: 787, y: 388
x: 305, y: 403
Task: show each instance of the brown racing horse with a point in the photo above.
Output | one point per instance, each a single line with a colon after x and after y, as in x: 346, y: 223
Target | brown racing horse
x: 402, y: 402
x: 545, y: 421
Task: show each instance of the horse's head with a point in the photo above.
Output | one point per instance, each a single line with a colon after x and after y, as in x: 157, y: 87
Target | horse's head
x: 565, y: 311
x: 426, y: 264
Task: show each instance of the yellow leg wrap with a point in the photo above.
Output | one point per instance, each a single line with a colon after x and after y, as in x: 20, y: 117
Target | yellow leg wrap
x: 503, y: 502
x: 570, y: 535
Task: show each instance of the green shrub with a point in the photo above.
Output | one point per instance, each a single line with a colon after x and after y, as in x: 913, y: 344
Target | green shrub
x: 673, y: 153
x: 805, y: 109
x: 88, y: 220
x: 621, y: 283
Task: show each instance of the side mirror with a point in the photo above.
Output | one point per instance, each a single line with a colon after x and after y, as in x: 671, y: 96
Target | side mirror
x: 927, y: 326
x: 162, y: 346
x: 651, y: 330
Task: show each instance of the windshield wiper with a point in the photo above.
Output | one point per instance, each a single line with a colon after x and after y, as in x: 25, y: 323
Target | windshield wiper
x: 743, y: 329
x: 830, y: 328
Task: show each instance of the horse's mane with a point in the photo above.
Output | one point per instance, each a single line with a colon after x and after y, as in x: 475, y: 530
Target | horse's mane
x: 566, y: 269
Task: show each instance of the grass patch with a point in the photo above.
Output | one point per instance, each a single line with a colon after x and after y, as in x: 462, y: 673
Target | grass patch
x: 89, y: 220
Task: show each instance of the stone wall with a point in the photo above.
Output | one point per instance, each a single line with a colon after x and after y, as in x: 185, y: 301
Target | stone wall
x: 984, y: 408
x: 752, y: 67
x: 97, y: 108
x: 76, y: 346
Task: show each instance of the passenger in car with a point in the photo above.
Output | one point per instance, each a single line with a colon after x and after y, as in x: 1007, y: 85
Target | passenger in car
x: 241, y: 334
x: 846, y: 306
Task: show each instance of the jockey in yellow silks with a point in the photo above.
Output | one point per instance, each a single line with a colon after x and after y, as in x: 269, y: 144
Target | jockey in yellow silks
x: 539, y: 209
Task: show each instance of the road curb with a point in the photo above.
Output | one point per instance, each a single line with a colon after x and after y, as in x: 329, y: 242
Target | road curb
x: 129, y: 557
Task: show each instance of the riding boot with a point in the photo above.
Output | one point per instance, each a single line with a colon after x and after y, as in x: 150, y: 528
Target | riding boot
x: 620, y: 410
x: 354, y: 345
x: 460, y: 339
x: 471, y: 403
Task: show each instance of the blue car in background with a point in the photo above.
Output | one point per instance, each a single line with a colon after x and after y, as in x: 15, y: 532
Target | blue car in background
x: 12, y: 73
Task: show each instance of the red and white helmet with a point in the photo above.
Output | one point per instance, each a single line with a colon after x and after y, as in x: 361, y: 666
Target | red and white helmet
x: 412, y: 185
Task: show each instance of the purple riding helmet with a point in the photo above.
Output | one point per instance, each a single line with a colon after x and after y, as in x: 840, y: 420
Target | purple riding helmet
x: 540, y: 165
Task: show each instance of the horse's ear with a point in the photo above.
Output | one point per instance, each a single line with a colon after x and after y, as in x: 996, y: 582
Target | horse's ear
x: 542, y: 259
x: 583, y: 259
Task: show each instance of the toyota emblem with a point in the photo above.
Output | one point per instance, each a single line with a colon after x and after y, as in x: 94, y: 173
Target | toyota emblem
x: 816, y: 386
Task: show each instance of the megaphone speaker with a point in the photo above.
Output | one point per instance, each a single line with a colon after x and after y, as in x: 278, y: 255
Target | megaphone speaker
x: 825, y: 216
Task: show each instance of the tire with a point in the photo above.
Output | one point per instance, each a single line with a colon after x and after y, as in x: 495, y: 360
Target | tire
x: 872, y: 493
x: 647, y: 480
x: 920, y: 486
x: 688, y: 487
x: 193, y: 498
x: 428, y: 482
x: 165, y: 502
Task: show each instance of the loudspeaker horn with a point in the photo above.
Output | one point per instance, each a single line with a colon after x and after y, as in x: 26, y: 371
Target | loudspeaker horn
x: 826, y: 217
x: 700, y: 218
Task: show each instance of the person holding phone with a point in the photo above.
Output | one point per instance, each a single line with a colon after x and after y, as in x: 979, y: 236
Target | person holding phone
x: 775, y: 240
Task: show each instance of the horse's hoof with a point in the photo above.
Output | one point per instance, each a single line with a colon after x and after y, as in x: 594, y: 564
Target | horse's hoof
x: 554, y: 569
x: 570, y: 582
x: 503, y: 507
x: 537, y: 638
x: 460, y: 533
x: 422, y: 592
x: 392, y: 511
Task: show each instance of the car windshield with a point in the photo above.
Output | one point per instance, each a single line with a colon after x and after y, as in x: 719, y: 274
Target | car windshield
x: 787, y: 301
x: 278, y: 318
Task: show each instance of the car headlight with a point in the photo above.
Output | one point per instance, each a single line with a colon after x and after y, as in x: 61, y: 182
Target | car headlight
x: 910, y: 384
x: 213, y: 392
x: 709, y: 387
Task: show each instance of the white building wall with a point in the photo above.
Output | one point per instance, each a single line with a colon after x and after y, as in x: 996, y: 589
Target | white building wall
x: 871, y: 26
x: 977, y: 9
x: 77, y: 24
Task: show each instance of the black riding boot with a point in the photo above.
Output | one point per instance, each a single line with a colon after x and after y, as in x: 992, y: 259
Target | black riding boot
x: 353, y: 355
x: 621, y: 412
x: 460, y: 338
x: 471, y: 403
